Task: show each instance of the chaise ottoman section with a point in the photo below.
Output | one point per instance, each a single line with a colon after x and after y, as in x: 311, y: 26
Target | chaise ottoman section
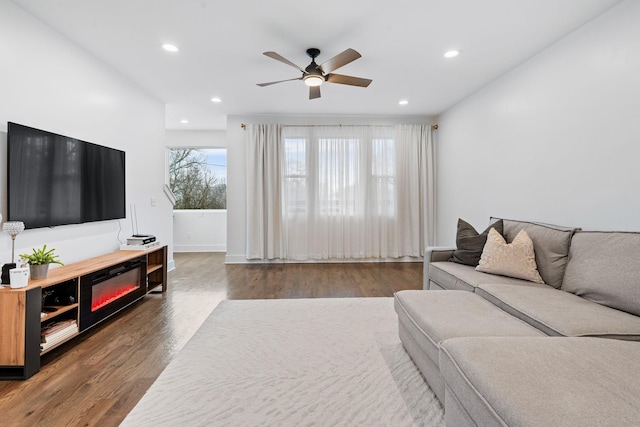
x: 425, y: 318
x: 550, y: 381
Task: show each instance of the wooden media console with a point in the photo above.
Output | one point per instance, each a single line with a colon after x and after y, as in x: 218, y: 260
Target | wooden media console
x: 73, y: 298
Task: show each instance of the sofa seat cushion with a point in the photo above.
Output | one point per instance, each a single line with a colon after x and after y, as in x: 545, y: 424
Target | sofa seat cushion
x: 559, y: 313
x: 449, y: 275
x: 543, y: 381
x: 442, y: 315
x: 604, y: 267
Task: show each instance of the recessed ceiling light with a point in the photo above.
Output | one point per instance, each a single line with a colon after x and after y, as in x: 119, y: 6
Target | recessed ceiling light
x: 184, y: 121
x: 403, y: 102
x: 170, y: 47
x: 216, y: 99
x: 451, y: 53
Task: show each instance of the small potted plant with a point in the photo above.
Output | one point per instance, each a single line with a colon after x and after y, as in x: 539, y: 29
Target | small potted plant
x: 39, y: 261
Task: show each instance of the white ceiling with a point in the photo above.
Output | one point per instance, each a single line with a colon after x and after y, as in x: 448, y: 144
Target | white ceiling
x: 221, y: 44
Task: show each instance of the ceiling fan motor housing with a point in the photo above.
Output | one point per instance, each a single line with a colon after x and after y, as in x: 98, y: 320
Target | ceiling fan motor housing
x: 313, y: 70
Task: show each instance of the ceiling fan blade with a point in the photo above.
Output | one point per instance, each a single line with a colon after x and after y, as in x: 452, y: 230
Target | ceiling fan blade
x: 339, y: 60
x: 279, y: 81
x: 281, y: 58
x: 314, y: 92
x: 348, y: 80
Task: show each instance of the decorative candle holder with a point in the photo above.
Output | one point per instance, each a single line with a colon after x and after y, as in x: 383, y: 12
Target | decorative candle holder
x: 12, y: 228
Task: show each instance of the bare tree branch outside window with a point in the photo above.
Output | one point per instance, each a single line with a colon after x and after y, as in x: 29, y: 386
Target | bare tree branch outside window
x: 193, y: 182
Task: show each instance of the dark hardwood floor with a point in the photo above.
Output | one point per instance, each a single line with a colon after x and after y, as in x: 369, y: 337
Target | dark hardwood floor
x: 98, y: 377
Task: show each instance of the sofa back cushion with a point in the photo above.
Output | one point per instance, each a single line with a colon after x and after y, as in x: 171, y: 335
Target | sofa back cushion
x: 604, y: 267
x: 550, y: 243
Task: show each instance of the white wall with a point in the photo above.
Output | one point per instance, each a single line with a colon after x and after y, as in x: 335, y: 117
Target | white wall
x: 49, y: 83
x: 201, y: 230
x: 236, y: 166
x: 196, y: 138
x: 556, y: 140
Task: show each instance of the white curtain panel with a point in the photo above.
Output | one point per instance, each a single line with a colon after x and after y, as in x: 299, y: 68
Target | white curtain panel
x: 265, y: 236
x: 345, y: 192
x: 416, y: 188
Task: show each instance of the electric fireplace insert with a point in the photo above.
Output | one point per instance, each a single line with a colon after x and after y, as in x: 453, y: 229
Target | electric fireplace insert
x: 105, y: 292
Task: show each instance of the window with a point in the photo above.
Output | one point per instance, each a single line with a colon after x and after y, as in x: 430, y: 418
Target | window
x: 340, y: 175
x: 295, y: 175
x: 198, y: 177
x: 338, y: 169
x: 339, y: 192
x: 383, y: 175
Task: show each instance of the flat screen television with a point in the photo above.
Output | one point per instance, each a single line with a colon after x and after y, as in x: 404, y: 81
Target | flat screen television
x: 57, y: 180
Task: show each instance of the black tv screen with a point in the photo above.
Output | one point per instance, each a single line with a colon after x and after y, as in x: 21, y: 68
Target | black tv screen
x: 57, y: 180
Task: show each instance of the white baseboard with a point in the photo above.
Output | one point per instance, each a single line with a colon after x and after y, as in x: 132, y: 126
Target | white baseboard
x: 239, y: 259
x: 235, y: 259
x: 199, y: 248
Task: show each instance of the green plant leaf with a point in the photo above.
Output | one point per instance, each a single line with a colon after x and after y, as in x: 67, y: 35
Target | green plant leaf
x: 41, y: 256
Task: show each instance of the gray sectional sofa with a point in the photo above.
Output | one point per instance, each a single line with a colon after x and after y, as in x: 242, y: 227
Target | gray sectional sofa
x: 503, y: 351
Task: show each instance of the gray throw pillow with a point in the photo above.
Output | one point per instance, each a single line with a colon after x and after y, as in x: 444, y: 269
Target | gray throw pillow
x: 470, y: 243
x: 551, y: 244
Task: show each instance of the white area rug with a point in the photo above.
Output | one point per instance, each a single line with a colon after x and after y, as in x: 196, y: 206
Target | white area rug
x: 301, y: 362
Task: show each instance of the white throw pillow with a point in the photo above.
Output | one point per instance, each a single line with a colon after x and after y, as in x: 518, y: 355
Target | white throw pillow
x: 516, y: 259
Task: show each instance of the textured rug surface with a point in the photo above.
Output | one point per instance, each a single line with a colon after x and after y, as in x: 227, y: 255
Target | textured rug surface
x: 301, y: 362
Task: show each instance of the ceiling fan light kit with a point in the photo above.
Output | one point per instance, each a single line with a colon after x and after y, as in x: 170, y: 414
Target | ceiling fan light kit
x: 314, y: 75
x: 313, y: 80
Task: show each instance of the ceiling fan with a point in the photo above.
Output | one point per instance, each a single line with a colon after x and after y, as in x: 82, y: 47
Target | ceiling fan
x: 314, y: 75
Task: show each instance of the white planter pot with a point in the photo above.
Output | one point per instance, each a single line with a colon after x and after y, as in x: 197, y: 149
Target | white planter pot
x: 19, y: 277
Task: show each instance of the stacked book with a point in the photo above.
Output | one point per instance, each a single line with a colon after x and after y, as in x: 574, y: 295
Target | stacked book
x: 57, y: 332
x: 138, y: 247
